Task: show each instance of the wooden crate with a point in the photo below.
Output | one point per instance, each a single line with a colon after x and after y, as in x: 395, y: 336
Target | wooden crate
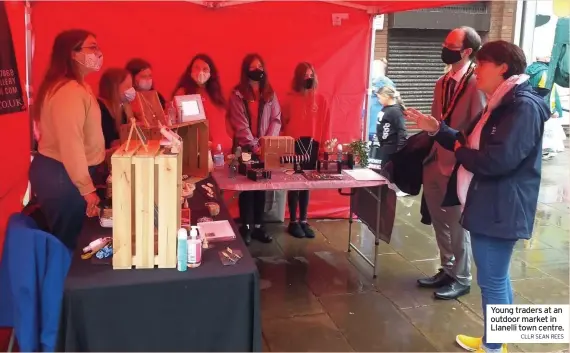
x: 142, y: 179
x: 195, y: 136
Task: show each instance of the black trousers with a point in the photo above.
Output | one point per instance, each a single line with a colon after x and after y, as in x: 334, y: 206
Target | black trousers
x: 300, y: 199
x: 251, y: 207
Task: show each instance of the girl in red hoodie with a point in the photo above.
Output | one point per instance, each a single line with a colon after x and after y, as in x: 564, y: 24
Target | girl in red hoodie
x: 305, y: 114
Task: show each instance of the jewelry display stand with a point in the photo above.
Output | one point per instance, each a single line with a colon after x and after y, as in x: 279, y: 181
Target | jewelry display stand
x: 307, y: 154
x: 147, y: 109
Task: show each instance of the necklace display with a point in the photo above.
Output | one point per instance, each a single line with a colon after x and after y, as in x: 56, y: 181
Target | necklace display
x: 148, y: 105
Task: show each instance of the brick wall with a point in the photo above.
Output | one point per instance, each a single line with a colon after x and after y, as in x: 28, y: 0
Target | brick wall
x: 503, y: 16
x: 381, y: 44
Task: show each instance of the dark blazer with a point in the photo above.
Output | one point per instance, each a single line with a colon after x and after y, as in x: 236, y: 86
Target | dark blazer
x: 405, y: 168
x: 502, y: 197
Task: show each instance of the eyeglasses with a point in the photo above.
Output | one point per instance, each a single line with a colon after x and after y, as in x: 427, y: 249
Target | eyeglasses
x: 94, y: 48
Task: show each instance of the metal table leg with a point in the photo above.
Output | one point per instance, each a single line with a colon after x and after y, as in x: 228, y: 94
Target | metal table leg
x: 351, y: 246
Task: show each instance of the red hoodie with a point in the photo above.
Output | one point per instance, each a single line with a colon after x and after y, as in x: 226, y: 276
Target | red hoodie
x: 307, y: 115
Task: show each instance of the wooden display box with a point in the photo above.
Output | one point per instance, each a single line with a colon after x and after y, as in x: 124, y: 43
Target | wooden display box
x: 273, y: 147
x: 195, y: 136
x: 142, y: 179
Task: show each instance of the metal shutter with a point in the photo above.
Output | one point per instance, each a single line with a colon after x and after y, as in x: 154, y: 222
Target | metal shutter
x: 414, y: 64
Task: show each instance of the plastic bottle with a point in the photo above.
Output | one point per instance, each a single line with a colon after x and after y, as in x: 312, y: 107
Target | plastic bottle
x: 172, y: 114
x: 194, y: 248
x: 182, y: 255
x: 219, y: 157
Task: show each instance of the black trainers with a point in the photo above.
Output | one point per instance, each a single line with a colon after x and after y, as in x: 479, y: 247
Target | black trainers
x: 295, y: 230
x: 260, y: 235
x: 309, y: 233
x: 245, y: 234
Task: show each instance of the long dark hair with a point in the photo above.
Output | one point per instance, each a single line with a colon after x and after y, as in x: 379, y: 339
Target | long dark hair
x: 244, y: 86
x: 136, y: 65
x: 62, y: 68
x: 109, y: 92
x: 213, y: 86
x: 298, y: 84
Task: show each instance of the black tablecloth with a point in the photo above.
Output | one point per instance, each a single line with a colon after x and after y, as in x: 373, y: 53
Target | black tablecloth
x: 209, y: 308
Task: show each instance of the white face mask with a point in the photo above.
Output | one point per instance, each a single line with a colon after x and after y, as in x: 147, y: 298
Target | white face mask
x: 91, y: 61
x: 129, y: 95
x: 145, y: 85
x: 202, y: 77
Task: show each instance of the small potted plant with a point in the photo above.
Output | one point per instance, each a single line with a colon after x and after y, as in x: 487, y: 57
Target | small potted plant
x: 359, y: 149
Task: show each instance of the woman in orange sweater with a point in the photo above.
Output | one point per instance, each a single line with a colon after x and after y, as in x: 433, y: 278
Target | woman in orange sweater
x: 305, y: 114
x: 71, y: 147
x: 202, y: 77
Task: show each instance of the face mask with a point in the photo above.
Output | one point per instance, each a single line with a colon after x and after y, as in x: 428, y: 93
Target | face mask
x: 145, y: 85
x: 91, y: 61
x: 129, y: 95
x: 309, y: 83
x: 449, y: 56
x: 256, y: 75
x: 202, y: 77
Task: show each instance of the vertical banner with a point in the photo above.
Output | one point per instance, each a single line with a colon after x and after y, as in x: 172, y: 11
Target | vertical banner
x: 11, y: 98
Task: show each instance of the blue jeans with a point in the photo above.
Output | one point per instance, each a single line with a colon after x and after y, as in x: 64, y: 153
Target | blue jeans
x: 59, y: 199
x: 492, y: 257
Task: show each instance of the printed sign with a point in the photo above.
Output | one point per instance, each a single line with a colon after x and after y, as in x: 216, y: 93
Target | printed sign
x: 11, y: 98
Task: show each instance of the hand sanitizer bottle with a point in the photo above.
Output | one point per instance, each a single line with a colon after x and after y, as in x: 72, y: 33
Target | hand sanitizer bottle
x: 182, y: 255
x: 194, y: 248
x: 219, y: 157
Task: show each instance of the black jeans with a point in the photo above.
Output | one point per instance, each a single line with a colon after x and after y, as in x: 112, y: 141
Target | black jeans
x: 300, y: 198
x: 251, y: 207
x: 59, y: 199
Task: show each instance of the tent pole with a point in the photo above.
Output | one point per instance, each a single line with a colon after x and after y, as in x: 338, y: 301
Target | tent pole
x: 364, y: 120
x: 29, y: 57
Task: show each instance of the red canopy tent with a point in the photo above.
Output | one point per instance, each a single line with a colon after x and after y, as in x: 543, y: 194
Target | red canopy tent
x: 333, y: 35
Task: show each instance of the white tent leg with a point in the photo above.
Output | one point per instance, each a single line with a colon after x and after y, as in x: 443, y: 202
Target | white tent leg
x: 12, y: 339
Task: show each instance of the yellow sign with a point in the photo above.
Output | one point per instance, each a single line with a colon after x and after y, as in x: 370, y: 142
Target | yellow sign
x: 561, y: 8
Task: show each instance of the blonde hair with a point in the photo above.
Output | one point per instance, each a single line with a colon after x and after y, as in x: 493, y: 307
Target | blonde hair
x: 392, y: 93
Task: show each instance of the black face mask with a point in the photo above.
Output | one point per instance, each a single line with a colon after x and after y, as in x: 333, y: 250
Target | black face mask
x: 449, y: 56
x: 256, y: 75
x: 309, y: 83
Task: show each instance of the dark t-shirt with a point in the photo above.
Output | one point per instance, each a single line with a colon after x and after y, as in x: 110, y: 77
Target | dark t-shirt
x: 110, y: 132
x: 391, y: 130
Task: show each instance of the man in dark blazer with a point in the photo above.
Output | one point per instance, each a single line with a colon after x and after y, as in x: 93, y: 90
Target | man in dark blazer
x: 456, y: 101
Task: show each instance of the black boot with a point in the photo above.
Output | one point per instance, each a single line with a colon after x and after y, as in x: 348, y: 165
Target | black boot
x: 261, y: 235
x: 295, y: 230
x: 439, y: 280
x: 246, y: 232
x: 453, y: 290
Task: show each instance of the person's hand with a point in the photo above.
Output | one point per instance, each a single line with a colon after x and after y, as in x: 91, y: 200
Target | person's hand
x: 425, y: 122
x: 92, y: 204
